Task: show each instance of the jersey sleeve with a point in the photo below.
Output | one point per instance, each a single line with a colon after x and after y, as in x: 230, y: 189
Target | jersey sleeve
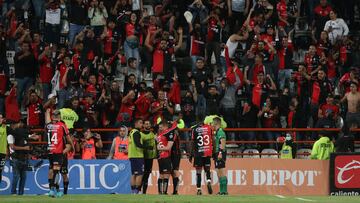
x: 222, y: 134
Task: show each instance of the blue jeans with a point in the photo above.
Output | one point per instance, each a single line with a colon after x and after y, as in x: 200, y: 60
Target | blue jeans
x: 5, y: 8
x: 19, y: 173
x: 46, y: 90
x: 23, y: 85
x: 39, y: 8
x: 62, y: 96
x: 73, y: 31
x: 283, y: 76
x: 130, y: 52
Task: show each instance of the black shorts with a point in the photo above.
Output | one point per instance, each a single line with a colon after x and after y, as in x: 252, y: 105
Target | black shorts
x: 137, y: 166
x: 165, y: 165
x: 200, y: 162
x: 220, y: 163
x: 175, y: 162
x: 2, y: 161
x: 55, y: 159
x: 148, y: 163
x: 64, y: 166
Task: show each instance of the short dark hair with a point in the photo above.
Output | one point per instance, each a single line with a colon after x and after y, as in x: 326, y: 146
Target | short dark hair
x: 131, y: 60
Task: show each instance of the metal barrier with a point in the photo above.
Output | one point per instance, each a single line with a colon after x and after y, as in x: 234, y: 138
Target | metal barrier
x: 107, y: 130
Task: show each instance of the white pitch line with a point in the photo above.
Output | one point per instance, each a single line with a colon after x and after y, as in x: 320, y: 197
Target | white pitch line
x: 305, y: 200
x: 280, y: 196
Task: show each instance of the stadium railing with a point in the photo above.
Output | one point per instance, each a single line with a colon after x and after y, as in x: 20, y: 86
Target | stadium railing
x: 104, y: 153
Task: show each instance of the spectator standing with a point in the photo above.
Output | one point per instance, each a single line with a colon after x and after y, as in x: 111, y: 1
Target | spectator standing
x: 336, y: 27
x: 77, y: 18
x: 25, y: 70
x: 52, y: 22
x: 35, y: 111
x: 97, y: 14
x: 237, y: 12
x: 353, y: 103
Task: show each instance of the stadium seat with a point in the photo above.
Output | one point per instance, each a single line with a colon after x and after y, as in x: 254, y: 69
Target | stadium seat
x: 301, y: 156
x: 253, y: 153
x: 273, y: 151
x: 150, y: 9
x: 233, y: 150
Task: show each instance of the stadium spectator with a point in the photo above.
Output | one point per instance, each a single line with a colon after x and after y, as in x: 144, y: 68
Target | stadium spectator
x: 25, y: 69
x: 353, y: 103
x: 97, y: 14
x: 336, y: 27
x: 35, y: 111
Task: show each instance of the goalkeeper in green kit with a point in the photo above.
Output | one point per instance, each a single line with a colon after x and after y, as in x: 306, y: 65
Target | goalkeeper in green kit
x: 220, y: 155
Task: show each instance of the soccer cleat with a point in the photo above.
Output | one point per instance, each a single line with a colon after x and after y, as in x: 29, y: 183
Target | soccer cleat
x: 225, y: 193
x: 59, y: 194
x: 175, y: 193
x: 52, y: 193
x: 208, y: 184
x: 199, y: 192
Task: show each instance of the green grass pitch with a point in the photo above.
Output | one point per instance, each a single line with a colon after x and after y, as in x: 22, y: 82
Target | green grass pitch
x: 174, y: 199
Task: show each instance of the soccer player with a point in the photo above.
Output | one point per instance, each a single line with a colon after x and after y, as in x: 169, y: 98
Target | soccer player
x: 148, y: 137
x: 59, y: 144
x: 175, y: 161
x: 165, y: 141
x: 136, y: 156
x: 202, y: 138
x: 220, y: 154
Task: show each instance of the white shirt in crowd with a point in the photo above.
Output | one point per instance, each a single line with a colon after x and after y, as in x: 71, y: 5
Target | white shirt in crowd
x: 336, y: 28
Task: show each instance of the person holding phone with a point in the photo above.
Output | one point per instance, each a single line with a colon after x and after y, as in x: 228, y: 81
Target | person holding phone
x: 89, y: 144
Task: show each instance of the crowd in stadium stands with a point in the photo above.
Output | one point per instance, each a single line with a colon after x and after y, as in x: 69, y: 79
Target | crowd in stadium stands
x: 256, y: 63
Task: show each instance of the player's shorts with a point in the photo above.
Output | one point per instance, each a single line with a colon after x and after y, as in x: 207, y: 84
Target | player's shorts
x: 64, y: 166
x: 175, y: 162
x: 2, y: 161
x: 148, y: 163
x: 137, y: 166
x: 55, y: 159
x: 220, y: 163
x: 165, y: 165
x: 200, y: 162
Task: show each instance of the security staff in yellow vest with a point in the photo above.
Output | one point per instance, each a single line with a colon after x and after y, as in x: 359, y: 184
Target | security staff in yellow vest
x: 4, y: 130
x: 136, y: 156
x: 288, y: 149
x: 150, y: 153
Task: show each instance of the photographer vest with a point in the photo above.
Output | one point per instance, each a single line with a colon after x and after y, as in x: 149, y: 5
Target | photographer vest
x: 120, y: 146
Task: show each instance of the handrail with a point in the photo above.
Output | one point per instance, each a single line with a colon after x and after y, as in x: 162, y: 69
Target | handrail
x: 233, y: 129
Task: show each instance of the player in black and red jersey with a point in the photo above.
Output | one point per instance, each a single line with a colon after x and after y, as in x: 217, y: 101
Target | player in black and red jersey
x: 175, y: 159
x: 202, y: 148
x: 165, y: 141
x: 59, y: 143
